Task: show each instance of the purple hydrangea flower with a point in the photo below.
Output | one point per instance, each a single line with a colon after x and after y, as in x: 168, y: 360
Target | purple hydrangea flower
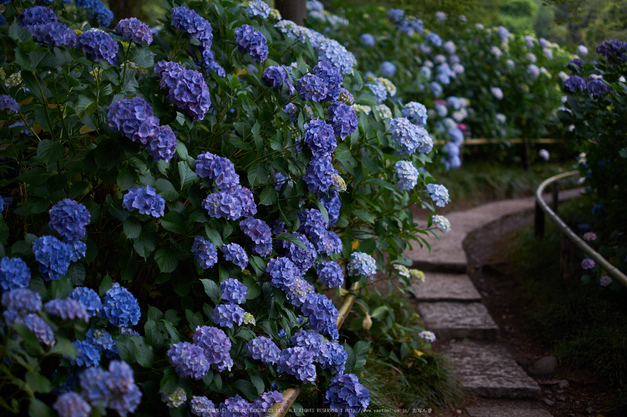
x: 311, y: 221
x: 120, y: 307
x: 236, y: 254
x: 135, y: 30
x: 322, y: 315
x: 230, y: 203
x: 439, y: 194
x: 53, y: 257
x: 98, y: 10
x: 575, y: 64
x: 274, y: 76
x: 216, y: 345
x: 251, y: 41
x: 379, y: 91
x: 311, y: 340
x: 327, y: 243
x: 8, y: 103
x: 614, y: 50
x: 217, y: 168
x: 320, y: 138
x: 54, y: 34
x: 162, y: 143
x: 266, y: 400
x: 233, y: 291
x: 331, y: 75
x: 407, y: 175
x: 361, y: 263
x: 574, y: 83
x: 225, y: 315
x: 188, y: 360
x: 291, y: 109
x: 187, y: 89
x: 98, y: 46
x: 333, y: 357
x: 77, y: 249
x: 605, y: 280
x: 388, y: 69
x: 145, y: 199
x: 302, y: 258
x: 134, y: 118
x: 330, y: 273
x: 416, y: 112
x: 94, y: 386
x: 236, y: 407
x: 331, y: 201
x: 298, y: 361
x: 70, y: 404
x: 346, y: 396
x: 283, y: 273
x: 204, y: 252
x: 87, y: 354
x: 311, y: 87
x: 367, y: 39
x: 409, y: 137
x: 189, y: 21
x: 396, y: 14
x: 343, y: 118
x: 319, y: 174
x: 597, y: 88
x: 128, y: 331
x: 21, y: 300
x: 37, y: 325
x: 588, y: 263
x: 69, y: 218
x: 37, y: 15
x: 102, y: 341
x: 334, y: 52
x: 125, y: 395
x: 298, y: 293
x: 66, y: 308
x: 88, y: 298
x: 260, y: 233
x: 263, y: 349
x: 202, y: 407
x: 14, y: 273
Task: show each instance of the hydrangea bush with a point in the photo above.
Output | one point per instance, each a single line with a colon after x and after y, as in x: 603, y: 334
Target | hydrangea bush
x: 171, y: 209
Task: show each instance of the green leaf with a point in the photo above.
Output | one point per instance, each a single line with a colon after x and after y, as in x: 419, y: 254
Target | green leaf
x: 76, y: 273
x: 85, y: 106
x: 361, y: 350
x: 38, y: 383
x: 166, y: 189
x: 194, y: 320
x: 257, y: 136
x: 143, y: 352
x: 364, y: 215
x: 166, y: 260
x: 132, y: 227
x: 62, y: 57
x: 126, y: 348
x: 174, y: 334
x: 246, y: 388
x: 173, y: 222
x: 108, y: 154
x: 40, y: 59
x: 50, y: 152
x: 268, y: 196
x: 35, y: 176
x: 169, y: 381
x: 187, y: 176
x: 257, y: 175
x: 213, y: 236
x: 31, y: 343
x: 145, y: 243
x: 38, y: 408
x: 350, y: 362
x: 126, y: 178
x: 144, y: 57
x: 211, y: 289
x: 63, y: 347
x: 18, y: 33
x: 258, y: 383
x: 105, y: 285
x: 291, y: 238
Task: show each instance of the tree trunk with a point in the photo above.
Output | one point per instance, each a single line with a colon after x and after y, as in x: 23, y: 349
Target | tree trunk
x: 294, y: 10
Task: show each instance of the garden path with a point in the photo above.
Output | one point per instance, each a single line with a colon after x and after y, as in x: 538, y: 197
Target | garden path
x: 452, y: 308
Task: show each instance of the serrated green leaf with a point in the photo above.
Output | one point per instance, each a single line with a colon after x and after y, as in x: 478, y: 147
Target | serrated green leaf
x: 38, y: 408
x: 35, y: 176
x: 246, y: 388
x: 144, y: 353
x: 214, y: 236
x: 18, y: 33
x: 166, y: 260
x: 143, y: 57
x: 126, y: 177
x: 50, y: 152
x: 166, y: 189
x: 132, y: 227
x: 268, y: 196
x: 105, y: 285
x: 186, y: 175
x: 211, y: 289
x: 63, y: 347
x: 258, y: 383
x: 76, y: 273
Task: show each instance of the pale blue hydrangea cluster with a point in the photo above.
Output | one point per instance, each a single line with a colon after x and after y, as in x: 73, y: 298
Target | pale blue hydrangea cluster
x: 236, y: 254
x: 409, y: 137
x: 8, y: 103
x: 120, y: 307
x: 114, y: 388
x: 346, y: 396
x: 257, y: 8
x: 14, y: 273
x: 439, y: 194
x: 441, y: 223
x: 71, y: 404
x: 388, y: 69
x: 379, y: 91
x: 416, y: 113
x: 87, y: 355
x: 263, y: 349
x: 361, y: 264
x: 67, y: 309
x: 102, y: 341
x: 407, y: 175
x: 332, y: 51
x: 146, y: 200
x: 88, y: 298
x: 367, y: 40
x: 204, y: 252
x: 300, y: 33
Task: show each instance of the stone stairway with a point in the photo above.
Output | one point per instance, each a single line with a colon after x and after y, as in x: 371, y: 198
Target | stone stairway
x: 452, y: 308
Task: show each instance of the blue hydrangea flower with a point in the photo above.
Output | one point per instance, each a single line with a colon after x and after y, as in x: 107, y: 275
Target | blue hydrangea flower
x: 416, y: 112
x: 346, y: 96
x: 280, y: 180
x: 436, y: 88
x: 320, y: 138
x: 189, y: 21
x: 69, y: 218
x: 333, y: 357
x: 379, y: 91
x: 597, y: 88
x: 319, y: 174
x: 434, y: 39
x: 87, y: 354
x: 274, y: 76
x: 202, y: 407
x: 145, y: 199
x: 367, y: 40
x: 70, y: 404
x: 37, y: 15
x: 456, y: 136
x: 88, y: 298
x: 3, y: 20
x: 343, y: 119
x: 575, y: 84
x: 260, y: 233
x: 174, y: 399
x: 204, y: 252
x: 298, y: 362
x: 331, y: 75
x: 53, y: 34
x: 135, y: 30
x: 266, y: 400
x: 94, y: 383
x: 533, y: 70
x: 162, y: 143
x: 439, y: 194
x: 236, y: 254
x: 613, y: 50
x: 102, y: 341
x: 388, y: 69
x: 216, y: 346
x: 21, y: 300
x: 297, y: 293
x: 66, y: 308
x: 330, y: 274
x: 409, y: 137
x: 396, y: 14
x: 361, y: 264
x: 310, y: 340
x: 236, y: 407
x: 125, y: 395
x: 407, y: 175
x: 302, y: 258
x: 233, y: 291
x: 311, y: 87
x: 230, y: 203
x: 251, y: 41
x: 120, y: 307
x: 346, y: 396
x: 225, y: 315
x: 327, y: 243
x: 37, y: 325
x: 187, y: 89
x: 332, y: 51
x: 8, y: 103
x: 502, y: 33
x: 263, y: 349
x: 53, y: 257
x: 133, y: 118
x: 188, y: 360
x: 283, y: 273
x: 77, y: 249
x: 332, y: 203
x: 257, y: 8
x: 322, y: 315
x: 217, y: 168
x: 14, y: 273
x: 98, y: 46
x: 103, y: 15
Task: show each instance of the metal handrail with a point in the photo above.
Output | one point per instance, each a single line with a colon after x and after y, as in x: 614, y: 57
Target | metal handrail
x: 290, y: 394
x: 580, y: 243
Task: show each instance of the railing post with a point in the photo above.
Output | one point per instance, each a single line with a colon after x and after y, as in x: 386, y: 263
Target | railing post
x: 539, y: 221
x: 556, y: 191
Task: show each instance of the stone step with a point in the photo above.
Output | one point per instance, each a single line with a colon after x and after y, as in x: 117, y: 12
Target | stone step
x: 446, y: 254
x: 440, y: 286
x: 454, y: 320
x: 490, y: 371
x: 508, y: 408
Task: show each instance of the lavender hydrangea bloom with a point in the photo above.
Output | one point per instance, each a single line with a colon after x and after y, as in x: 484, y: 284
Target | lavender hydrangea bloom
x: 575, y: 84
x: 297, y: 293
x: 202, y: 407
x: 320, y: 138
x: 260, y: 233
x: 231, y: 203
x: 94, y: 386
x: 145, y: 199
x: 332, y: 203
x: 204, y: 252
x: 311, y: 340
x: 217, y: 168
x: 66, y: 308
x: 347, y: 396
x: 125, y: 395
x: 225, y: 315
x: 379, y: 91
x: 135, y: 30
x: 54, y: 34
x: 274, y: 76
x: 343, y: 118
x: 409, y: 137
x: 216, y: 345
x: 102, y: 341
x: 588, y: 263
x: 236, y: 407
x: 575, y: 64
x: 361, y: 264
x: 187, y: 89
x: 330, y: 274
x: 613, y: 50
x: 98, y: 46
x: 322, y: 315
x: 70, y: 404
x: 416, y: 112
x: 388, y: 69
x: 251, y: 41
x: 8, y: 103
x: 331, y: 75
x: 283, y: 273
x: 302, y: 258
x: 69, y: 219
x: 319, y: 174
x: 407, y: 175
x: 597, y: 88
x: 236, y: 254
x: 134, y: 118
x: 87, y: 354
x: 162, y: 144
x: 266, y: 400
x: 311, y: 87
x: 77, y: 249
x: 40, y: 327
x: 439, y: 194
x: 263, y: 349
x: 14, y: 273
x: 367, y: 40
x: 258, y: 8
x: 37, y: 15
x: 332, y: 51
x: 396, y: 14
x: 233, y: 291
x: 188, y: 360
x: 311, y: 220
x: 21, y: 300
x: 88, y: 298
x: 53, y: 257
x: 120, y: 307
x: 333, y: 357
x: 327, y: 243
x: 298, y: 362
x: 189, y: 21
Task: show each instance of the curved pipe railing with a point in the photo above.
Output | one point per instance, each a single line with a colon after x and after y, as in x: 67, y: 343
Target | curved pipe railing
x: 611, y: 270
x: 290, y: 394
